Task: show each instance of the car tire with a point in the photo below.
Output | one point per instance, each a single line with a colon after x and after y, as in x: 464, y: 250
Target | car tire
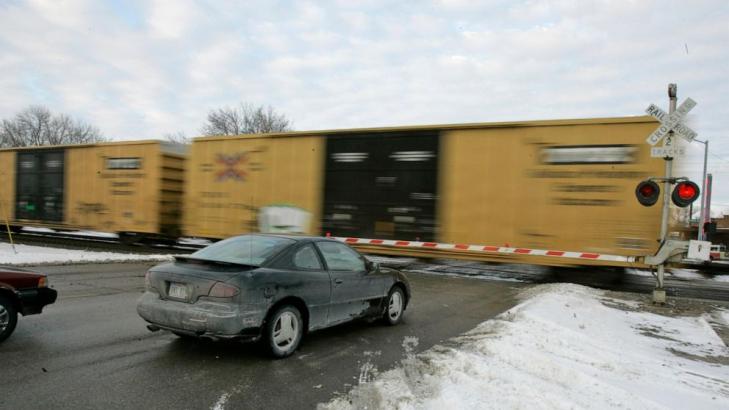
x: 394, y: 306
x: 284, y: 330
x: 8, y: 317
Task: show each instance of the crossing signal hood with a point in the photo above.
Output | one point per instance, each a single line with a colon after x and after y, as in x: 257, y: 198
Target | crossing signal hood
x: 685, y: 193
x: 647, y: 193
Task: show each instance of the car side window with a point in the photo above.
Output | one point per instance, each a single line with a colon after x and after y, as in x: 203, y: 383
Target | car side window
x: 305, y: 258
x: 340, y: 257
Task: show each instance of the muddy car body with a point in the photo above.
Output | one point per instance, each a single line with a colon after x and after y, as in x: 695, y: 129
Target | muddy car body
x: 274, y: 287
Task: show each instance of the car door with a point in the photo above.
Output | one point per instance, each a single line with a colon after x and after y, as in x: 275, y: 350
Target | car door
x: 300, y: 273
x: 314, y: 283
x: 355, y: 292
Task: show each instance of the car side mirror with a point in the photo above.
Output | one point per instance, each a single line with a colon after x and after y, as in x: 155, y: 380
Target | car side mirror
x: 372, y: 266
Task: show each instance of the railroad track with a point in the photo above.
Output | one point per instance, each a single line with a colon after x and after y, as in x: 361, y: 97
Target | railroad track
x: 67, y: 241
x: 600, y: 277
x: 706, y: 287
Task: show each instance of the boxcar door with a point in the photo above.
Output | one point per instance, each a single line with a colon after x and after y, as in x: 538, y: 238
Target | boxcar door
x: 40, y: 185
x: 382, y: 185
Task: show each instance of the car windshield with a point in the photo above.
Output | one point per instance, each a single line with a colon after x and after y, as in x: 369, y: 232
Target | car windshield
x: 251, y: 250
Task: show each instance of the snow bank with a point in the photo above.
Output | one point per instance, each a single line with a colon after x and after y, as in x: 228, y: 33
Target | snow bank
x: 39, y: 255
x: 566, y: 346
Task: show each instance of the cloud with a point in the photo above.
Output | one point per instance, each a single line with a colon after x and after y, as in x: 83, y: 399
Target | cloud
x: 173, y: 19
x: 142, y: 69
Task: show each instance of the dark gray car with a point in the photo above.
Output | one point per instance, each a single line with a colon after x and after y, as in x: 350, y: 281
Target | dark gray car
x: 274, y: 287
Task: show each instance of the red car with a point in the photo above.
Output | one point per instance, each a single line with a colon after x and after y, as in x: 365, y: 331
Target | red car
x: 24, y: 292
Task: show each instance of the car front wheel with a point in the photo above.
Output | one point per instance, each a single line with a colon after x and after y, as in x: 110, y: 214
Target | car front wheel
x: 8, y: 318
x: 284, y: 330
x: 395, y: 306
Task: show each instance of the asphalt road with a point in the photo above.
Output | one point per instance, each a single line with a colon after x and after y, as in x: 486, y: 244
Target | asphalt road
x: 699, y: 285
x: 91, y: 350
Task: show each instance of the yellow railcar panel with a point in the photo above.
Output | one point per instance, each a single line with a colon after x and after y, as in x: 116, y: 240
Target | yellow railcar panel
x: 230, y: 180
x: 113, y: 196
x: 7, y: 186
x: 509, y: 186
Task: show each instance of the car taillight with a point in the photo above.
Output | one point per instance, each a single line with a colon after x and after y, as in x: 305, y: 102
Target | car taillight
x: 223, y: 290
x: 43, y: 282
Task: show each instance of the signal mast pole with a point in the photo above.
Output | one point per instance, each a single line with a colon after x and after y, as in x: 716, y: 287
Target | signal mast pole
x: 659, y: 293
x: 704, y: 202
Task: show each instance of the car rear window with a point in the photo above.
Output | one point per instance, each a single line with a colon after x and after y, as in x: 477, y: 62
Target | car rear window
x: 251, y: 250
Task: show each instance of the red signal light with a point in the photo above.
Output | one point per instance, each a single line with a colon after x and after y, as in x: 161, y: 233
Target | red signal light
x: 647, y: 193
x: 647, y: 190
x: 685, y: 193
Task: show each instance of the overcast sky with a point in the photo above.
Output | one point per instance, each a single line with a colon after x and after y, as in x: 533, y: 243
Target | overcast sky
x: 141, y: 69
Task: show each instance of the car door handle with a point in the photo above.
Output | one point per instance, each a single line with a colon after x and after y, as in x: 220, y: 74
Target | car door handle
x: 338, y: 281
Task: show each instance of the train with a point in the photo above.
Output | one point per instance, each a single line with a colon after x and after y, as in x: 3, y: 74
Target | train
x: 554, y: 186
x: 132, y: 188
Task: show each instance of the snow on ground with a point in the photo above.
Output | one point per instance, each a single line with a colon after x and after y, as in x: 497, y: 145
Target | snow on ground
x: 393, y: 261
x: 39, y: 255
x: 565, y: 346
x: 33, y: 229
x: 194, y: 241
x: 92, y: 234
x: 688, y: 274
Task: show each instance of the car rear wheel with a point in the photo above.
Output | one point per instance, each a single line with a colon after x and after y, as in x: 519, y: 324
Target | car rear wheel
x: 8, y: 318
x: 284, y: 330
x: 395, y: 306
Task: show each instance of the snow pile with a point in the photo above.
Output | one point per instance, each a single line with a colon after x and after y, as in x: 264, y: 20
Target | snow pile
x: 566, y: 346
x: 39, y: 255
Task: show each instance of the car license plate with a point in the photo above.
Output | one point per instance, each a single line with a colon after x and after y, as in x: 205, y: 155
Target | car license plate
x: 177, y: 291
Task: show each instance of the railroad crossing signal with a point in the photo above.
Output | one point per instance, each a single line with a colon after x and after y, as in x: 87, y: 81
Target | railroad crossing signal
x: 672, y: 122
x: 647, y: 192
x: 685, y: 193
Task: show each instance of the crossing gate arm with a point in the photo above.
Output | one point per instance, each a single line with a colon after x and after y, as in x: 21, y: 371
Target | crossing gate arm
x: 488, y: 253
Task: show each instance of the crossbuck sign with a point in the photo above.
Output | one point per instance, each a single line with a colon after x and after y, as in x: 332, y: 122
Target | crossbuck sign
x: 671, y: 122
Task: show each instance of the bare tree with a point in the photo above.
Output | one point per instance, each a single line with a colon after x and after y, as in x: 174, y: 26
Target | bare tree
x: 36, y: 125
x: 178, y: 137
x: 245, y: 119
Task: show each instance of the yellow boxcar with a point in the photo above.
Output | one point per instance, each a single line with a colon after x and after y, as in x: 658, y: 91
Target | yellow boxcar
x: 126, y: 187
x: 567, y: 185
x: 552, y: 185
x: 230, y: 179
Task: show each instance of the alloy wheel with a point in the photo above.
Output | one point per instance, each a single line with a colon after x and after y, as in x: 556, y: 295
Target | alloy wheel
x: 394, y: 309
x: 285, y: 330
